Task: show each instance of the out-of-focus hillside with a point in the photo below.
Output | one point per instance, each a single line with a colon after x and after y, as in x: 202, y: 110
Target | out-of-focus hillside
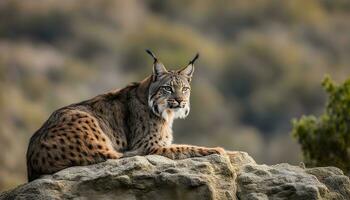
x: 261, y: 65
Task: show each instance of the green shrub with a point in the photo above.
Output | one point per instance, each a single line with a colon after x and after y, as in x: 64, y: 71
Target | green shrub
x: 325, y: 141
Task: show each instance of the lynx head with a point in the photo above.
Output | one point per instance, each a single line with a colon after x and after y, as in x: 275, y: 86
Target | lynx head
x: 169, y: 91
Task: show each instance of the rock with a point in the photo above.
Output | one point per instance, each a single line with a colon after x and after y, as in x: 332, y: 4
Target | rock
x: 150, y: 177
x: 239, y: 159
x: 334, y: 179
x: 283, y: 180
x: 211, y: 177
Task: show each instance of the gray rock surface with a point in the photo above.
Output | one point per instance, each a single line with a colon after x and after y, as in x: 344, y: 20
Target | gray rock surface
x: 211, y: 177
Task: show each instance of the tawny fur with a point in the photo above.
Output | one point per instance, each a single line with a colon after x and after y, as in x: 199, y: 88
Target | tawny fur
x: 136, y: 120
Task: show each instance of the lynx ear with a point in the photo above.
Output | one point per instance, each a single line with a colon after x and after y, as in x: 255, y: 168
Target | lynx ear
x: 158, y: 67
x: 189, y: 69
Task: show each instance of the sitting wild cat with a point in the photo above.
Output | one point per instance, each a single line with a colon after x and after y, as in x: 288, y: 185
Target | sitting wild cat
x: 136, y: 120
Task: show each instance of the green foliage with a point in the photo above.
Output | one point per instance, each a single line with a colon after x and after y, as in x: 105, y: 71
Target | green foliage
x: 325, y: 140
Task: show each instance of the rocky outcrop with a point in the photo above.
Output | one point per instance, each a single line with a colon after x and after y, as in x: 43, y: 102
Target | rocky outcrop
x: 284, y: 181
x: 211, y: 177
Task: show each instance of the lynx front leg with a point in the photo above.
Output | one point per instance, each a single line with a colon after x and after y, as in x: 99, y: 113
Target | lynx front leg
x: 186, y: 151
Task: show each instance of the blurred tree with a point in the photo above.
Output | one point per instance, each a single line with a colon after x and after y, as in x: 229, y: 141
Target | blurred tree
x: 325, y: 140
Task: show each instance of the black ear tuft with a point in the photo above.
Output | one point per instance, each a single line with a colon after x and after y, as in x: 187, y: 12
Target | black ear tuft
x: 194, y: 59
x: 152, y: 54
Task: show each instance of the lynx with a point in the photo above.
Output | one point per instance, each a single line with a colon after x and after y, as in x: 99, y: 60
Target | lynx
x: 135, y: 120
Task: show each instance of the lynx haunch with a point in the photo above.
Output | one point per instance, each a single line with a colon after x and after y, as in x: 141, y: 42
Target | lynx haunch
x: 135, y: 120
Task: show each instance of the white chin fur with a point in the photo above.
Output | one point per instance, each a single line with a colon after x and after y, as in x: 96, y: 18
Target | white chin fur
x: 181, y: 113
x: 170, y: 114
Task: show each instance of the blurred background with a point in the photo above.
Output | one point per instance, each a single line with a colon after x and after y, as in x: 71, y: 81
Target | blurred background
x: 261, y: 65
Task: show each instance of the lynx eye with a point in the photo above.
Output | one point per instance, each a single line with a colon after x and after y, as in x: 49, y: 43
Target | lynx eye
x: 185, y: 89
x: 167, y: 88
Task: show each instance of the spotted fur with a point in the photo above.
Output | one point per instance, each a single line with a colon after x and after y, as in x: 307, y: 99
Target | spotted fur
x: 136, y: 120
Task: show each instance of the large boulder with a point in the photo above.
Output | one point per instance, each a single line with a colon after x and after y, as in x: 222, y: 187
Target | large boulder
x: 211, y: 177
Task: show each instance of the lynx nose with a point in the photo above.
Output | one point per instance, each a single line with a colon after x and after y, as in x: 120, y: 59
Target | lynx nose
x: 176, y: 103
x: 181, y: 102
